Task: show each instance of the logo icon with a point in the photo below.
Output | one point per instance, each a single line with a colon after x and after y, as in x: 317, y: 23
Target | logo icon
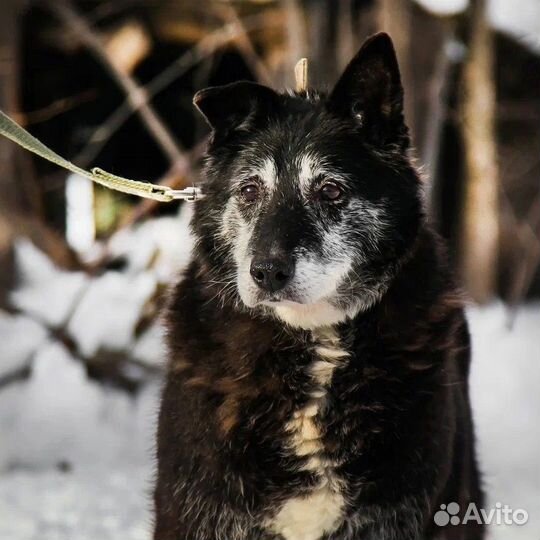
x: 447, y: 514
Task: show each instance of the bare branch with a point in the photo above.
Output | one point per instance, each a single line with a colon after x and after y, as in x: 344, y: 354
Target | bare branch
x: 204, y: 48
x: 296, y: 35
x: 480, y: 225
x: 245, y: 45
x: 134, y: 93
x: 57, y: 107
x: 438, y: 91
x: 527, y: 257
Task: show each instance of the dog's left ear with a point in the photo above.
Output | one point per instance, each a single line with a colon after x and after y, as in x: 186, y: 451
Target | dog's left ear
x: 370, y: 92
x: 235, y: 106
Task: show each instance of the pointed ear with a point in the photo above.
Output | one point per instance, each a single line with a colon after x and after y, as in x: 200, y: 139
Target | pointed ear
x: 235, y: 106
x: 370, y: 92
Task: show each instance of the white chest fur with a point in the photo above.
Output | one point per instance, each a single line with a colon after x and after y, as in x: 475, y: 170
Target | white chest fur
x: 319, y: 511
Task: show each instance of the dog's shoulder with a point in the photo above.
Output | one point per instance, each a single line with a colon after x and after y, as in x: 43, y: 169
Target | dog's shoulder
x: 422, y: 319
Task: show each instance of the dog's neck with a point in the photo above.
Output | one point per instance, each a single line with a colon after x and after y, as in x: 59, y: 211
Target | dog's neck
x: 312, y: 316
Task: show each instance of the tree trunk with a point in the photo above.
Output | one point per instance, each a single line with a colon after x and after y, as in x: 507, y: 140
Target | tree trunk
x: 20, y: 199
x: 335, y: 31
x: 13, y: 196
x: 480, y: 224
x: 395, y: 17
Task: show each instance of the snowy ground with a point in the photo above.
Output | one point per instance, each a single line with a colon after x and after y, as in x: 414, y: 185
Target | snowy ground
x: 86, y: 504
x: 77, y: 457
x: 505, y: 383
x: 107, y: 439
x: 519, y: 18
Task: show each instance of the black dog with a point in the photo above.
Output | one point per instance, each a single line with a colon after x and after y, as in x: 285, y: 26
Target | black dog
x: 319, y: 354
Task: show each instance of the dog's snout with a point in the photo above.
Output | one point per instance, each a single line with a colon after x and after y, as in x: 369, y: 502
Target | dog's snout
x: 271, y: 274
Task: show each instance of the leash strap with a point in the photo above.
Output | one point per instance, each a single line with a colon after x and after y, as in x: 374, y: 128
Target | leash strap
x: 10, y: 129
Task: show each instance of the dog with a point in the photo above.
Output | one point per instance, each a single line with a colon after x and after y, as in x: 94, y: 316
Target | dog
x: 319, y: 353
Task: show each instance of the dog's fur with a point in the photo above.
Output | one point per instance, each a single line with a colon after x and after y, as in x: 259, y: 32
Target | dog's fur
x: 335, y: 407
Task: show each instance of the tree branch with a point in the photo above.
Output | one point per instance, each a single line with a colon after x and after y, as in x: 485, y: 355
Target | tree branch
x: 136, y: 96
x: 527, y: 257
x: 204, y: 48
x: 245, y: 45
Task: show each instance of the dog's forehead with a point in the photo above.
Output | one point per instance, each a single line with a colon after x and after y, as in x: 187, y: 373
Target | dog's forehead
x: 300, y: 167
x: 296, y: 148
x: 283, y: 158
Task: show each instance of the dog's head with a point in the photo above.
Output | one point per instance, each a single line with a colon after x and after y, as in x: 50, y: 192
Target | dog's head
x: 311, y: 202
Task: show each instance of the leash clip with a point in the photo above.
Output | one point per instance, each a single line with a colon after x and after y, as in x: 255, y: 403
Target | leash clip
x: 190, y: 194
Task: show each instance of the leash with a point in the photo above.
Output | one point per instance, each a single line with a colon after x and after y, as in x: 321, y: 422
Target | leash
x: 10, y: 129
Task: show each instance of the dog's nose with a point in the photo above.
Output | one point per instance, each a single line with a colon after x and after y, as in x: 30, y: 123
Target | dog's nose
x: 271, y: 274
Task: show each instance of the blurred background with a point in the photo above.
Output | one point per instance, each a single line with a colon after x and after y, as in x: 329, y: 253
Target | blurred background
x: 83, y: 270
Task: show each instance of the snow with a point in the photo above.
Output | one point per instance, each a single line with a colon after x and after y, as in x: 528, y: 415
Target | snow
x: 149, y: 348
x: 17, y: 352
x: 60, y: 416
x: 505, y: 382
x: 44, y: 291
x: 519, y: 18
x: 100, y: 313
x: 107, y: 313
x: 80, y: 219
x: 444, y: 7
x: 164, y: 243
x: 102, y: 438
x: 106, y: 436
x: 90, y: 504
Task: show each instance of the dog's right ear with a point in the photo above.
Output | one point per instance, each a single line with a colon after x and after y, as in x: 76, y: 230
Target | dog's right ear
x: 235, y: 106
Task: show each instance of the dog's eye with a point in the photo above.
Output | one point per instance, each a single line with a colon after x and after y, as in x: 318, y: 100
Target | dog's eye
x: 330, y: 192
x: 250, y: 192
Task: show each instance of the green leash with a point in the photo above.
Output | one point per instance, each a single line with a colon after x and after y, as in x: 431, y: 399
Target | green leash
x: 10, y: 129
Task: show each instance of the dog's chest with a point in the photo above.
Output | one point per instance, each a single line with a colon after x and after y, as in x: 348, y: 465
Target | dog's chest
x: 320, y: 510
